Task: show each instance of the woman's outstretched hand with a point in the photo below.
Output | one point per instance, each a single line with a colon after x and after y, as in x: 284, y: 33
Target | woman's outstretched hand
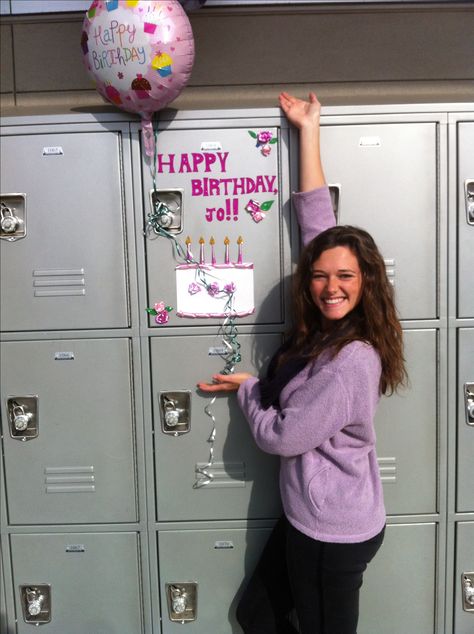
x: 225, y: 382
x: 299, y: 112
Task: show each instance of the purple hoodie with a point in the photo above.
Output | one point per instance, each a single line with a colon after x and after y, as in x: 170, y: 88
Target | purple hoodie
x: 324, y: 432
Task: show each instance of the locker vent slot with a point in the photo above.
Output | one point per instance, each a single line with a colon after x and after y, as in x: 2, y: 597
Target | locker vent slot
x: 224, y: 475
x: 388, y: 470
x: 69, y: 479
x: 58, y: 282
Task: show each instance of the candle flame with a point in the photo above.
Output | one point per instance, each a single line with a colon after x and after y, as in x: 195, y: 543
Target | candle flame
x: 226, y: 241
x: 212, y: 241
x: 187, y: 241
x: 240, y: 240
x: 201, y: 240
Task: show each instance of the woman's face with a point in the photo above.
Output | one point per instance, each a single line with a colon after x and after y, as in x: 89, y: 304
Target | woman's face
x: 336, y: 283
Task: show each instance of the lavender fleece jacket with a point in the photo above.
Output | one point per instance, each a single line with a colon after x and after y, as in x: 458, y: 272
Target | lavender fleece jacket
x: 324, y: 431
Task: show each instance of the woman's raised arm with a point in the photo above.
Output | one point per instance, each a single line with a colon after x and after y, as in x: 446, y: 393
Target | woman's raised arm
x: 305, y: 116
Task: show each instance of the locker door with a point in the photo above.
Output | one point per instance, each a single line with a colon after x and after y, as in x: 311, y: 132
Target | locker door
x: 465, y: 219
x: 217, y: 562
x: 387, y: 175
x: 208, y: 178
x: 79, y: 468
x: 399, y: 584
x: 93, y: 579
x: 406, y: 426
x: 245, y: 480
x: 465, y: 438
x: 69, y: 270
x: 464, y: 579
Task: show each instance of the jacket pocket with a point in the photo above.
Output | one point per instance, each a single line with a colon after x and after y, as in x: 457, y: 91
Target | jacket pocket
x: 318, y: 487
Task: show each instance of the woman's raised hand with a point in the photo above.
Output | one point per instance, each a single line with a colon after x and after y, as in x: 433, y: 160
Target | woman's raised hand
x: 225, y: 382
x: 299, y: 112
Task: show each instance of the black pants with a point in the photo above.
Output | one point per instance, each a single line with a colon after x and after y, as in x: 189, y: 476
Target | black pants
x: 320, y: 580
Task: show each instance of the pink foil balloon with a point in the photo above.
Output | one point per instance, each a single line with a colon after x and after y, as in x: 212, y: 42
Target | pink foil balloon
x: 140, y: 54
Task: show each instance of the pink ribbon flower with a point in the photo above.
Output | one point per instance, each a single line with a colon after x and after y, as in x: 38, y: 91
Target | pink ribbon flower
x: 264, y: 136
x: 213, y: 289
x: 194, y: 288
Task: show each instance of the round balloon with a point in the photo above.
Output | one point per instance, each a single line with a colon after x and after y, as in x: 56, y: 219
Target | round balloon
x: 140, y: 53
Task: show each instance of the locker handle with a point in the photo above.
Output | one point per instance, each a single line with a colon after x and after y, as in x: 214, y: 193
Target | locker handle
x: 36, y: 603
x: 469, y: 199
x: 469, y: 403
x: 182, y: 601
x: 12, y: 217
x: 467, y: 580
x: 335, y: 192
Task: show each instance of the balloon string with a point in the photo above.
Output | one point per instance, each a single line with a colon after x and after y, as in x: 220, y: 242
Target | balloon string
x: 227, y: 330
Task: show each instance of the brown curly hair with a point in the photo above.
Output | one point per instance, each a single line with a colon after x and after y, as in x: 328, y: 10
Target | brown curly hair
x: 374, y: 319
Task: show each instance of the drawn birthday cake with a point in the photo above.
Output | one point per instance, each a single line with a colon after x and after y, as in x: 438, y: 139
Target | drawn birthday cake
x: 211, y: 289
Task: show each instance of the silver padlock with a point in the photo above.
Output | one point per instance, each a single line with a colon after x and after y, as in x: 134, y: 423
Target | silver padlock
x: 21, y: 419
x: 9, y: 223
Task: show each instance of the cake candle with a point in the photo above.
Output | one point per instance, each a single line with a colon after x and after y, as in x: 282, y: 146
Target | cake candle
x: 201, y: 250
x: 226, y: 256
x: 189, y: 255
x: 212, y: 242
x: 240, y: 242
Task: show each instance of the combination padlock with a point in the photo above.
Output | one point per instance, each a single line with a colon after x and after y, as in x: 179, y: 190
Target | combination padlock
x: 21, y: 418
x: 171, y: 413
x: 9, y: 223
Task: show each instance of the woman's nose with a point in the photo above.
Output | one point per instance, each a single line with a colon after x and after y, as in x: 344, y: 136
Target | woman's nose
x: 332, y: 284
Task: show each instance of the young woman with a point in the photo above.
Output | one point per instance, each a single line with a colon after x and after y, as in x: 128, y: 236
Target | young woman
x: 315, y: 409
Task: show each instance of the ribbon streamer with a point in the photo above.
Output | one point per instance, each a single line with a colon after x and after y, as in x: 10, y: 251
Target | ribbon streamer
x: 227, y: 330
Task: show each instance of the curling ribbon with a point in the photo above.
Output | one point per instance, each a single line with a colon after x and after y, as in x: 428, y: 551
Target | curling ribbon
x: 148, y: 137
x: 228, y: 330
x: 203, y: 474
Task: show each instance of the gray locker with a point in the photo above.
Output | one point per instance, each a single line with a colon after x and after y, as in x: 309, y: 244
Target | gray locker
x: 465, y: 219
x: 465, y: 434
x: 464, y: 579
x: 407, y: 431
x: 77, y: 465
x: 208, y: 177
x: 387, y: 174
x: 245, y: 480
x: 400, y: 583
x: 212, y: 564
x: 90, y: 582
x: 67, y: 268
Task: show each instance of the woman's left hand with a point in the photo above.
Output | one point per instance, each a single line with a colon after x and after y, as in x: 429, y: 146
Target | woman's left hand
x: 225, y: 382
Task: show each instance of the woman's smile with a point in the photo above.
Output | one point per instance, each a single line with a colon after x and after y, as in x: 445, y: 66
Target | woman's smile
x: 336, y: 282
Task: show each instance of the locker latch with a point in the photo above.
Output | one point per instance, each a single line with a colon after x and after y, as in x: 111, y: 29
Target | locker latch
x: 467, y: 580
x: 182, y: 601
x: 23, y: 417
x: 12, y: 216
x: 469, y: 197
x: 469, y: 402
x: 36, y: 603
x: 175, y: 411
x: 167, y: 209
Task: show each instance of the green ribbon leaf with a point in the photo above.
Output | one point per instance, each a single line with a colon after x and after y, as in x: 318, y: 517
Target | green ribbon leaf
x: 274, y: 140
x: 151, y: 311
x: 266, y: 205
x: 252, y: 134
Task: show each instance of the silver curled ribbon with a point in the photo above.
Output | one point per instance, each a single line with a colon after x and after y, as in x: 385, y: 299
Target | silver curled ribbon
x: 227, y: 330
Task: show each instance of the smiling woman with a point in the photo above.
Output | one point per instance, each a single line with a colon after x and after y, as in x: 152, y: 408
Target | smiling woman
x: 315, y: 409
x: 336, y: 282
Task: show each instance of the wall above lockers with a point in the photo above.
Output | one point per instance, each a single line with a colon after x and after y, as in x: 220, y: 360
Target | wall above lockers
x: 350, y: 54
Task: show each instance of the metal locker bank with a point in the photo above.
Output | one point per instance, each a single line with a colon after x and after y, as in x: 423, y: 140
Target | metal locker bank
x: 130, y: 502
